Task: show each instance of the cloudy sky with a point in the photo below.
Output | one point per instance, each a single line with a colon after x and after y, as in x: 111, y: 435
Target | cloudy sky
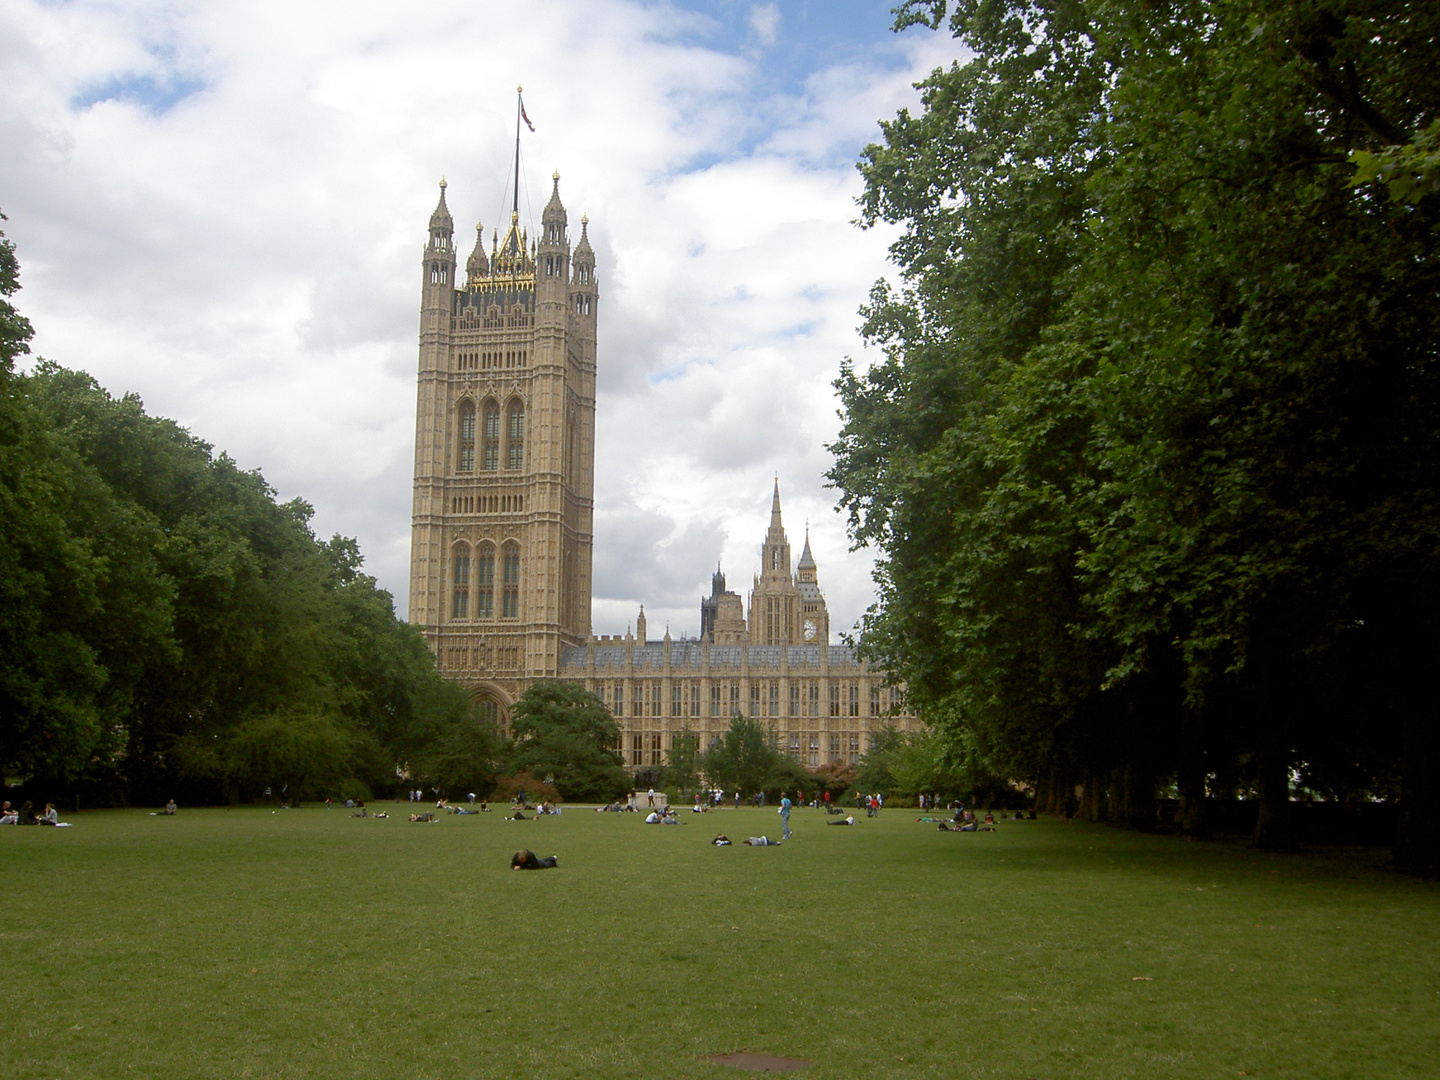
x: 221, y: 206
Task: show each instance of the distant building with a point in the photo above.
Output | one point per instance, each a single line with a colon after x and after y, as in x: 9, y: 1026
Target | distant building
x: 780, y: 668
x: 501, y: 540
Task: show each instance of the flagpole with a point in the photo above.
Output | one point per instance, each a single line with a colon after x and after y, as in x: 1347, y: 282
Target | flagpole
x: 515, y: 209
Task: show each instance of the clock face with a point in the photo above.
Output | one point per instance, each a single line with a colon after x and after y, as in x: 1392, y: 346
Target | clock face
x: 809, y: 629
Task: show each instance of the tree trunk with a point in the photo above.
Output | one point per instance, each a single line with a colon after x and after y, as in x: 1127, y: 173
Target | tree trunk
x: 1092, y: 803
x: 1275, y: 828
x: 1049, y: 797
x: 1192, y: 817
x: 1417, y: 840
x: 1139, y: 798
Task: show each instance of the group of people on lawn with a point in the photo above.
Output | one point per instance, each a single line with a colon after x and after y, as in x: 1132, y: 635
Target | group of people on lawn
x: 26, y: 814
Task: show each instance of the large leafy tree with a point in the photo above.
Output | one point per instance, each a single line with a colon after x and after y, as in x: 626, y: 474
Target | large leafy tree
x: 745, y: 759
x: 564, y: 733
x: 164, y: 620
x: 1152, y: 455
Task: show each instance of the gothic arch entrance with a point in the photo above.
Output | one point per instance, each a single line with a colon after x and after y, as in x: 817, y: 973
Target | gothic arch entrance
x: 492, y: 705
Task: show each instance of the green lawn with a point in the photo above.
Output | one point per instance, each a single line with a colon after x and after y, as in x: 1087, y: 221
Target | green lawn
x: 245, y: 943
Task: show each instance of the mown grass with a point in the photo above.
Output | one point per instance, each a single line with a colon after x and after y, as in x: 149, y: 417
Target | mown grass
x: 244, y: 943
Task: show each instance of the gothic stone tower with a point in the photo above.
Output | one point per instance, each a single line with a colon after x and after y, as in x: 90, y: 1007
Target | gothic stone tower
x: 786, y: 609
x: 500, y: 550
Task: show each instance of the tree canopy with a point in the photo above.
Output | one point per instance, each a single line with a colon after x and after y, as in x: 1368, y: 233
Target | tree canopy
x: 564, y: 734
x: 1151, y: 458
x: 166, y: 625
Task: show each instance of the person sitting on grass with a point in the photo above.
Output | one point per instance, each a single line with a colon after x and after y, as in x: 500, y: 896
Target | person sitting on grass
x: 721, y: 840
x: 669, y: 818
x: 27, y: 813
x: 652, y: 818
x: 849, y: 820
x: 528, y: 860
x: 8, y: 816
x: 49, y: 816
x: 360, y: 810
x: 761, y: 841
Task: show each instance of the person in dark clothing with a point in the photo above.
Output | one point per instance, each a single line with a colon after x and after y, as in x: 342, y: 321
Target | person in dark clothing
x: 528, y: 860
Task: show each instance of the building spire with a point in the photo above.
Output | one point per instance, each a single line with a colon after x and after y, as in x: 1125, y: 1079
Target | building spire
x: 807, y: 561
x: 775, y: 505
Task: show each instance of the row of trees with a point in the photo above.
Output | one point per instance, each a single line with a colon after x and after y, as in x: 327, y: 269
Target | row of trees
x: 168, y: 627
x: 1153, y: 457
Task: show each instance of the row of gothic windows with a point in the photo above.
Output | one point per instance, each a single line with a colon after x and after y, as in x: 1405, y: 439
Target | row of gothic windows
x: 438, y: 273
x: 489, y: 445
x: 472, y: 581
x: 582, y: 305
x: 647, y: 747
x: 647, y: 698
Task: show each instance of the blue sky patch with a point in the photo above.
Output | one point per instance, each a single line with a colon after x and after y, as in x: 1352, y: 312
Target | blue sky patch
x: 155, y: 96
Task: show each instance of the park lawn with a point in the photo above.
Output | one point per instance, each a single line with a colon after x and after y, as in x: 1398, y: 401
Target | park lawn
x: 244, y: 943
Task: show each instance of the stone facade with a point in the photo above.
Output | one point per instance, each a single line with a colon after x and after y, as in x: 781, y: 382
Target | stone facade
x: 500, y: 552
x: 820, y: 700
x: 500, y: 560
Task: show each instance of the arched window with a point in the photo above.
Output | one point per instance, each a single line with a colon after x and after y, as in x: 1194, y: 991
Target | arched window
x: 485, y: 582
x: 491, y: 459
x: 516, y: 442
x: 510, y: 598
x: 465, y: 461
x: 460, y: 583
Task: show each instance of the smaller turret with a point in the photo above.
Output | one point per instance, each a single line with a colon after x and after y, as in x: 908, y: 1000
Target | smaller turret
x: 438, y: 259
x: 582, y: 276
x: 805, y: 568
x: 640, y: 626
x: 477, y: 265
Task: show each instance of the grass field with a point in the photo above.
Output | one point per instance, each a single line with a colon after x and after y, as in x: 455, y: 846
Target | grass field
x: 245, y: 943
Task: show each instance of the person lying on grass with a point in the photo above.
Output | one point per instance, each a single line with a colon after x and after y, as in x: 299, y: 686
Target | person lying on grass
x: 428, y: 817
x: 517, y: 816
x: 761, y: 841
x: 721, y: 840
x: 528, y: 860
x: 848, y: 821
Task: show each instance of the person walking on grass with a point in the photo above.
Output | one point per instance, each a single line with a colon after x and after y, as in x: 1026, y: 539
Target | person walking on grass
x: 785, y: 815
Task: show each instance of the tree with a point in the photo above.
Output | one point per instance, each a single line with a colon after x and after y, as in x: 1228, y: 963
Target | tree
x: 464, y: 756
x: 1151, y: 449
x: 165, y: 621
x: 745, y: 758
x: 565, y: 734
x: 682, y: 761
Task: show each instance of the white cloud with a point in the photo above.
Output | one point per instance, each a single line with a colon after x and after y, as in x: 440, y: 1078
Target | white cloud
x: 246, y: 257
x: 765, y: 22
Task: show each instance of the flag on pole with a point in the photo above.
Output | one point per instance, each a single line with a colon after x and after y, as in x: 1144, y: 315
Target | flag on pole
x: 524, y: 117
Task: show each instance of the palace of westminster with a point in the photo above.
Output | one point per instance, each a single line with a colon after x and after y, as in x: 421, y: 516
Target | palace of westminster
x: 500, y: 561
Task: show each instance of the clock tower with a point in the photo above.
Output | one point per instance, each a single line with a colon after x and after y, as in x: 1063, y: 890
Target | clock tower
x: 785, y: 609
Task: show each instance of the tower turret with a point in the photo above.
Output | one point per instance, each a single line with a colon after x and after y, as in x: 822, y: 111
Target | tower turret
x: 477, y: 265
x: 805, y: 568
x: 439, y: 258
x: 552, y: 257
x: 583, y: 287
